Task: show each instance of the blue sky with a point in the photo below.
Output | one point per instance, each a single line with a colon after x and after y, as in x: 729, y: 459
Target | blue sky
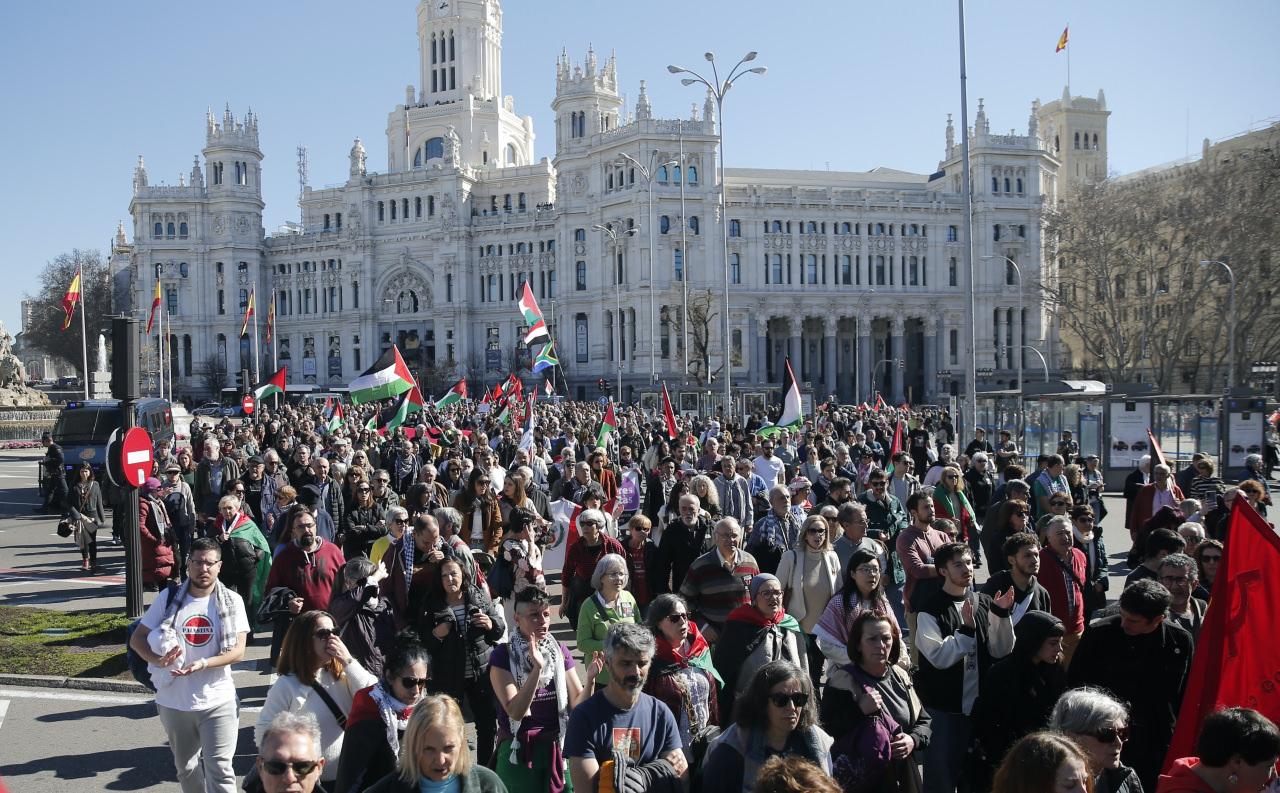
x: 852, y: 85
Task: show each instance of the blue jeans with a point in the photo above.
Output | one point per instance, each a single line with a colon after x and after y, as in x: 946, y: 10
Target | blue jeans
x: 944, y: 760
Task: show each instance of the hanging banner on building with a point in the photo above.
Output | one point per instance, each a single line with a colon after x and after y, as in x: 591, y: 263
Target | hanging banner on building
x: 1129, y: 423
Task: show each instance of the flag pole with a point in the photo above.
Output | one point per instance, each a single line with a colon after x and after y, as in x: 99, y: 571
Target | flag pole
x: 84, y: 334
x: 275, y: 342
x: 1068, y: 49
x: 160, y: 351
x: 256, y: 355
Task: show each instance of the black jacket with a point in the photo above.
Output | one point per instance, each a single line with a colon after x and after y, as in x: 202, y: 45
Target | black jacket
x: 1149, y: 672
x: 1095, y: 572
x: 455, y: 657
x: 360, y: 529
x: 363, y: 627
x: 676, y: 552
x: 999, y: 582
x: 366, y: 756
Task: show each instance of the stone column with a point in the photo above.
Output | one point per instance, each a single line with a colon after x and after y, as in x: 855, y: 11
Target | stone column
x: 931, y: 360
x: 795, y: 329
x: 829, y: 326
x: 759, y: 338
x: 897, y: 353
x: 863, y: 333
x: 1019, y: 354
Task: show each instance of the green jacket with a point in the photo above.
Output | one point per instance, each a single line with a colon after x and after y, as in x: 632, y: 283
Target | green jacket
x: 594, y: 622
x: 478, y: 780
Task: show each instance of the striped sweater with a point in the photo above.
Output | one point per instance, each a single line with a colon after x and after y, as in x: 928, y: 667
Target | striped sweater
x: 713, y: 590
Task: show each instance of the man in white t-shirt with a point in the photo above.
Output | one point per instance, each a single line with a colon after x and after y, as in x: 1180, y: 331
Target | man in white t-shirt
x: 202, y: 630
x: 767, y: 466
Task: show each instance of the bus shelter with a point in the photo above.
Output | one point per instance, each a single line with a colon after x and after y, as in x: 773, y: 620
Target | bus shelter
x: 1181, y: 423
x: 1051, y: 408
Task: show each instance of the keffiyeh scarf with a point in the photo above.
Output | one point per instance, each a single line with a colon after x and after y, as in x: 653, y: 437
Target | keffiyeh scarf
x: 394, y: 714
x: 552, y: 673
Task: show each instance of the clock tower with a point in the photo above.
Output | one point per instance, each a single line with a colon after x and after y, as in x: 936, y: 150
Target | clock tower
x: 460, y: 48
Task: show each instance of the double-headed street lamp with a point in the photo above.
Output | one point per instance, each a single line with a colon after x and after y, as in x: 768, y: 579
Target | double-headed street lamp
x: 1018, y: 345
x: 719, y: 89
x: 615, y: 251
x: 1231, y: 312
x: 648, y: 174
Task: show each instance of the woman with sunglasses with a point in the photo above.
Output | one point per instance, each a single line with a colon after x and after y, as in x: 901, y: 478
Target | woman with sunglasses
x: 362, y: 524
x: 351, y: 481
x: 811, y: 576
x: 481, y: 516
x: 1208, y: 558
x: 460, y: 626
x: 1089, y: 541
x: 871, y: 709
x: 776, y: 715
x: 379, y: 717
x: 397, y: 520
x: 682, y: 675
x: 317, y: 674
x: 950, y: 501
x: 1099, y: 723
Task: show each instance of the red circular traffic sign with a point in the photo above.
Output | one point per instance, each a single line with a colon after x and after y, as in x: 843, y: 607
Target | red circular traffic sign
x: 136, y: 456
x: 246, y: 404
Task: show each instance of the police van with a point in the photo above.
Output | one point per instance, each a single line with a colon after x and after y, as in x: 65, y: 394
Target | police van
x: 84, y: 428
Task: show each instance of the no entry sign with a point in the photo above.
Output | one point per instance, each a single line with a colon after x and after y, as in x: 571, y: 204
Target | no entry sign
x: 246, y: 404
x: 135, y: 456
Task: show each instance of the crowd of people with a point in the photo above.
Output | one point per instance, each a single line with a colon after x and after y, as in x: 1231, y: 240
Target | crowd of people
x: 753, y: 607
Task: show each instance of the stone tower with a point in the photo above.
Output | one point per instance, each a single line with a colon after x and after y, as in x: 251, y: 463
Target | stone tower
x: 1074, y: 130
x: 587, y: 101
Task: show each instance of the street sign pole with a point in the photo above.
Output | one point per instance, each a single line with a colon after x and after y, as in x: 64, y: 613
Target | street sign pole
x: 124, y: 369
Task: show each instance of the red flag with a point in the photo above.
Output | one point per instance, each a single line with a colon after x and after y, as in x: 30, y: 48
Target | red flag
x: 1236, y: 652
x: 70, y: 299
x: 155, y: 305
x: 880, y: 405
x: 1156, y: 451
x: 271, y: 319
x: 668, y: 413
x: 897, y: 440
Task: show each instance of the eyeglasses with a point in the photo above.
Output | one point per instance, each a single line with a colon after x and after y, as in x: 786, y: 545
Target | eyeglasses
x: 867, y: 569
x: 414, y: 682
x: 782, y: 700
x: 642, y: 529
x: 325, y: 633
x: 482, y: 481
x: 364, y: 490
x: 1174, y: 580
x: 770, y: 593
x: 300, y: 768
x: 678, y: 616
x: 399, y: 520
x: 205, y: 563
x: 951, y: 476
x: 589, y: 523
x: 816, y: 530
x: 1111, y: 734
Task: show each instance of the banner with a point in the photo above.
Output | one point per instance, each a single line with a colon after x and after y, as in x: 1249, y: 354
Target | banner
x: 1129, y: 423
x: 629, y: 491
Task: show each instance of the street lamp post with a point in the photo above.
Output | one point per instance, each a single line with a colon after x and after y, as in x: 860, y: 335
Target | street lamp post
x: 1018, y: 345
x: 1043, y: 363
x: 719, y: 89
x: 648, y: 173
x: 615, y: 248
x: 1231, y: 311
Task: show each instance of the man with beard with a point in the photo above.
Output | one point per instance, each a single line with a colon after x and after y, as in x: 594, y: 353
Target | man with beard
x: 658, y: 489
x: 1022, y: 551
x: 622, y: 731
x: 212, y: 476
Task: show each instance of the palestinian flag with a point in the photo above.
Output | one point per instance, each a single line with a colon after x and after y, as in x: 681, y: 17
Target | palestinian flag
x: 372, y: 423
x: 895, y: 447
x: 155, y: 306
x: 880, y: 405
x: 512, y: 387
x: 388, y: 377
x: 272, y: 385
x: 792, y: 412
x: 504, y: 416
x: 532, y: 317
x: 668, y: 413
x: 410, y: 402
x: 456, y: 393
x: 70, y: 299
x: 546, y: 358
x: 564, y: 514
x: 608, y: 425
x: 335, y: 420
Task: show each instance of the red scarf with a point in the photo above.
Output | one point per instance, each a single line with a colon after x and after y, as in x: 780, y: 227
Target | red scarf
x: 750, y: 614
x: 670, y: 654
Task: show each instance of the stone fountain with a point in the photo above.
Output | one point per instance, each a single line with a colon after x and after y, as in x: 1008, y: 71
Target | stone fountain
x: 14, y: 391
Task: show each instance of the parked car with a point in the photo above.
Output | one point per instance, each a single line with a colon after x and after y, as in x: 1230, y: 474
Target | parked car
x: 210, y: 409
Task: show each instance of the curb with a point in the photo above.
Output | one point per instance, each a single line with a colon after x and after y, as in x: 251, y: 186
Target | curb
x: 76, y: 683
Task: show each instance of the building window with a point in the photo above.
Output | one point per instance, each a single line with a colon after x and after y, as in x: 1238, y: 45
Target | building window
x: 664, y: 224
x: 953, y: 346
x: 579, y: 235
x: 995, y: 232
x: 186, y: 356
x: 677, y: 267
x: 381, y: 212
x: 735, y: 268
x: 914, y: 271
x: 735, y: 228
x: 775, y: 275
x: 811, y: 269
x: 953, y: 234
x: 953, y: 272
x: 693, y: 224
x: 846, y: 270
x: 880, y: 271
x: 182, y: 230
x: 662, y: 175
x: 222, y: 302
x: 580, y: 278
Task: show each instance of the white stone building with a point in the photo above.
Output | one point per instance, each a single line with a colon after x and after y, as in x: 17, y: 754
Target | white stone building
x: 845, y: 272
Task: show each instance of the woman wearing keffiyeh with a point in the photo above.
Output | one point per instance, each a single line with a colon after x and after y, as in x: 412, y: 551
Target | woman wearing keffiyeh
x: 682, y: 675
x: 379, y: 716
x: 536, y: 687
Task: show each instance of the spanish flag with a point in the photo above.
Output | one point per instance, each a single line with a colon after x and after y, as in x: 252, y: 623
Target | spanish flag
x: 271, y: 319
x: 1062, y: 40
x: 70, y: 299
x: 248, y: 314
x: 155, y: 304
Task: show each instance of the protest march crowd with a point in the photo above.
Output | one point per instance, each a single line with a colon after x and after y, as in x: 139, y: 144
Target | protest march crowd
x: 754, y: 606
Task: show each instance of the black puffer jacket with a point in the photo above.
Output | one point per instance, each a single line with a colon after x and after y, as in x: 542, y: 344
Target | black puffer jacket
x: 360, y: 528
x: 455, y: 657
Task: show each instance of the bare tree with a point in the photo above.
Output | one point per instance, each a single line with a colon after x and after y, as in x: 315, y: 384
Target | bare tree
x: 703, y: 321
x: 213, y: 375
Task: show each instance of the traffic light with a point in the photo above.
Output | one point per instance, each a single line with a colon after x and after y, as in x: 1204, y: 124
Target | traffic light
x: 243, y: 381
x: 603, y: 385
x: 902, y: 364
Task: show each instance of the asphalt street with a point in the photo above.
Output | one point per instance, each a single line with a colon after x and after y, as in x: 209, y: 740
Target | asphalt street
x: 54, y: 739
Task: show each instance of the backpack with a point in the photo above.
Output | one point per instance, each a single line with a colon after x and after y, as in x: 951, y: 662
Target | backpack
x: 137, y: 666
x: 502, y: 576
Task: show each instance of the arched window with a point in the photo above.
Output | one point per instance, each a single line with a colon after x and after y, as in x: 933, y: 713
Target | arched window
x: 811, y: 227
x: 676, y: 172
x: 158, y: 229
x: 995, y: 184
x: 879, y: 230
x: 662, y: 174
x: 431, y: 205
x: 1006, y: 184
x: 693, y: 224
x: 511, y: 154
x: 1019, y: 183
x: 169, y: 229
x: 1077, y: 140
x: 995, y: 232
x: 182, y: 229
x: 1095, y: 140
x: 521, y: 202
x: 777, y: 227
x: 735, y: 228
x: 434, y: 149
x: 664, y: 224
x: 631, y: 176
x: 417, y: 206
x: 844, y: 228
x: 393, y: 209
x: 608, y: 181
x: 579, y: 235
x: 580, y: 277
x: 381, y: 212
x: 693, y: 174
x: 953, y: 272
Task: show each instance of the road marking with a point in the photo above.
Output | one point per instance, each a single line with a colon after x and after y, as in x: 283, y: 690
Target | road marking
x: 119, y: 699
x: 22, y: 503
x: 4, y: 710
x: 52, y: 577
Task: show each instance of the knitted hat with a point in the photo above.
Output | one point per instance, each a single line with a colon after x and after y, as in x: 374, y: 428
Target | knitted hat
x: 760, y: 579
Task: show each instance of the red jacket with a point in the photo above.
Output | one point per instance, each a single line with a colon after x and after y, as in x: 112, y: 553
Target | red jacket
x: 156, y: 554
x: 1055, y: 583
x: 1182, y: 778
x: 1142, y: 506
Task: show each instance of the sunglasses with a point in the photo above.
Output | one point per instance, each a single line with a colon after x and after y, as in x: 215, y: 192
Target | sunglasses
x: 325, y: 633
x: 300, y: 768
x: 816, y: 531
x: 1111, y: 734
x: 414, y: 682
x: 364, y: 489
x: 482, y: 481
x: 679, y: 616
x: 589, y: 523
x: 782, y: 700
x: 1207, y: 559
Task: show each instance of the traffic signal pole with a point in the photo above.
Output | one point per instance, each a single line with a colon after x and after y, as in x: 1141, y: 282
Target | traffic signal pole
x: 124, y: 387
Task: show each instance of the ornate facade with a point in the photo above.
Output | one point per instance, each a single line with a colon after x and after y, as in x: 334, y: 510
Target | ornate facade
x: 847, y: 273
